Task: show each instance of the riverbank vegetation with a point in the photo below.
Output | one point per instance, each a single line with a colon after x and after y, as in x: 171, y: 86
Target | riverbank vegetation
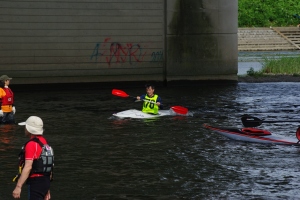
x: 275, y: 66
x: 266, y: 13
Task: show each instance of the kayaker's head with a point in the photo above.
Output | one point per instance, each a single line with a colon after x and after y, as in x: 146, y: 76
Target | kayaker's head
x: 5, y: 79
x: 150, y: 90
x: 33, y: 126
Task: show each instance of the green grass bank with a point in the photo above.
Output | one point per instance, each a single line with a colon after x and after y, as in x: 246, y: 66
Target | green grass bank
x: 278, y: 66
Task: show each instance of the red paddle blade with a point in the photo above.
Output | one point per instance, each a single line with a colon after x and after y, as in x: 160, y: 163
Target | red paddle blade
x: 119, y: 93
x: 180, y: 110
x: 298, y: 133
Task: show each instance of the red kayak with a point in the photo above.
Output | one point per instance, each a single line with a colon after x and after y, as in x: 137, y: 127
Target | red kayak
x: 255, y: 135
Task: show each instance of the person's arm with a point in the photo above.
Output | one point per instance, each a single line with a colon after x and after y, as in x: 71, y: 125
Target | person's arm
x: 2, y: 93
x: 159, y: 103
x: 140, y: 97
x: 47, y: 196
x: 24, y: 175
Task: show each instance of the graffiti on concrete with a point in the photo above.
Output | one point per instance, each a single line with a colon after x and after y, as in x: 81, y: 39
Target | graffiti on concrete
x: 116, y: 52
x: 157, y: 56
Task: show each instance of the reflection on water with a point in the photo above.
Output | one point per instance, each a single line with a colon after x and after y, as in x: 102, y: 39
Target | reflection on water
x: 255, y: 59
x: 249, y: 56
x: 6, y: 128
x: 244, y: 67
x: 172, y: 157
x: 6, y: 136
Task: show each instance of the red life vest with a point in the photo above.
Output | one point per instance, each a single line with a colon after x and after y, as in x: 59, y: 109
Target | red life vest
x: 8, y: 99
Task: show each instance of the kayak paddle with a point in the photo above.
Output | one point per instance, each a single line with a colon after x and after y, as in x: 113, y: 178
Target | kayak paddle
x: 120, y: 93
x: 249, y: 121
x: 176, y: 109
x: 180, y: 110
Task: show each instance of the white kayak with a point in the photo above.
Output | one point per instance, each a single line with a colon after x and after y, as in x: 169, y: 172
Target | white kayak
x: 137, y: 114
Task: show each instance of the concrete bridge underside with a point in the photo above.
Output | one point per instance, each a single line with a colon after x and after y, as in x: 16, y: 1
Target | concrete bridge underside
x: 118, y: 40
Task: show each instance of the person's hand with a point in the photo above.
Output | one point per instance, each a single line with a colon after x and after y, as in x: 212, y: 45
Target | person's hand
x: 158, y: 103
x: 1, y: 113
x: 17, y: 192
x: 138, y: 98
x: 14, y: 109
x: 47, y: 197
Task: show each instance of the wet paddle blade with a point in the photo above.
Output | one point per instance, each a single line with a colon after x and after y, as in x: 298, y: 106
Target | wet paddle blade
x: 180, y: 110
x: 119, y: 93
x: 249, y: 121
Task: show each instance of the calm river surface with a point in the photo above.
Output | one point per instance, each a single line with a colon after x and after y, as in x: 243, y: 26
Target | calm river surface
x: 172, y: 157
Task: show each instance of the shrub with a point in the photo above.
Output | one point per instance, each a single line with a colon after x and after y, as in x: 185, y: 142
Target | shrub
x: 266, y: 13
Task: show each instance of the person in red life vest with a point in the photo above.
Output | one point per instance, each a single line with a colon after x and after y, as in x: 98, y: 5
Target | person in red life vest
x: 152, y: 102
x: 33, y: 168
x: 8, y: 110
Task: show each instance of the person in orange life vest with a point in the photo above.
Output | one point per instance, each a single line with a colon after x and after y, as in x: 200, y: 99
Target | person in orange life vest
x: 8, y: 110
x: 149, y: 97
x: 38, y: 183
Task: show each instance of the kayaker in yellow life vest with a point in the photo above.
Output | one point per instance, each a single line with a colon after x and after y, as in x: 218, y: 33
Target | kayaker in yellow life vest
x: 152, y: 102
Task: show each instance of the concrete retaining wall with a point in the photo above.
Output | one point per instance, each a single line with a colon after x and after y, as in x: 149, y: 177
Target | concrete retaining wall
x: 268, y: 39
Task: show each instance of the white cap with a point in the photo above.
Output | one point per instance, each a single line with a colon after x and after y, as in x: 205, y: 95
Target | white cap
x: 34, y: 125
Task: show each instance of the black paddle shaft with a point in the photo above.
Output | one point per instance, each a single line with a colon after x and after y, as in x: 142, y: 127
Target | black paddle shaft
x: 249, y: 121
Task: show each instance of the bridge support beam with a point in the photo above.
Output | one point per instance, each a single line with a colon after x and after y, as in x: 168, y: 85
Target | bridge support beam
x: 202, y: 40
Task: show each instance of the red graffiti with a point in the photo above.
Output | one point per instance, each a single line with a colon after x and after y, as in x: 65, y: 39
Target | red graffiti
x: 115, y: 52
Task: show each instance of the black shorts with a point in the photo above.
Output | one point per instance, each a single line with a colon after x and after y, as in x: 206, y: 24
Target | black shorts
x: 38, y: 187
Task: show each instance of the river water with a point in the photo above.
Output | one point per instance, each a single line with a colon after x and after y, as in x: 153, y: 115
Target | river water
x: 172, y: 157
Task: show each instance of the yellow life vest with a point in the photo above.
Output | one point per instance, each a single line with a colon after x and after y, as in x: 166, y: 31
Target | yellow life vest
x: 150, y: 107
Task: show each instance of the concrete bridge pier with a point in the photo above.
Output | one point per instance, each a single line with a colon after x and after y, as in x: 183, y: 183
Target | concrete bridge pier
x: 202, y: 40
